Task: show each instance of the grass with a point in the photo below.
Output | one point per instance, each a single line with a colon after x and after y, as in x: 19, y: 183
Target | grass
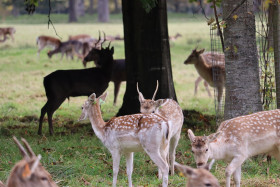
x: 74, y: 155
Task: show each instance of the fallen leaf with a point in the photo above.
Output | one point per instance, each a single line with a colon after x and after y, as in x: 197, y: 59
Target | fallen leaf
x: 235, y: 17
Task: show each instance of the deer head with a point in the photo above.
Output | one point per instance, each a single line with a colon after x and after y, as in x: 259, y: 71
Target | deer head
x: 193, y: 57
x: 200, y: 147
x: 148, y: 105
x: 198, y: 177
x: 29, y: 172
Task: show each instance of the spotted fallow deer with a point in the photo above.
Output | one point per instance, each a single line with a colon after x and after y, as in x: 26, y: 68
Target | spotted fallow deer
x: 132, y: 133
x: 238, y: 139
x: 204, y: 67
x: 43, y: 41
x: 200, y: 177
x: 169, y: 109
x: 29, y: 172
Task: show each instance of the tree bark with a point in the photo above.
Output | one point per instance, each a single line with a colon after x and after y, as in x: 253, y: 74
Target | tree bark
x: 242, y: 71
x: 147, y: 54
x: 90, y: 8
x: 117, y: 8
x: 72, y: 11
x: 103, y: 10
x: 80, y: 8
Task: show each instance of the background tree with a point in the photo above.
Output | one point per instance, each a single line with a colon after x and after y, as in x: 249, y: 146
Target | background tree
x: 72, y: 11
x: 147, y: 53
x: 103, y: 10
x: 242, y: 71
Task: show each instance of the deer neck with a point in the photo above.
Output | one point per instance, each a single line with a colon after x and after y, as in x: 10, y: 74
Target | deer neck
x: 203, y: 69
x: 97, y: 121
x: 216, y: 150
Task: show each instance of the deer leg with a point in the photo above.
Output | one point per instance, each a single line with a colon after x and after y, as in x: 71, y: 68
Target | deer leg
x: 232, y: 167
x: 53, y: 106
x: 117, y: 85
x: 172, y: 150
x: 116, y: 163
x: 237, y: 176
x: 207, y: 88
x: 43, y: 112
x: 198, y: 80
x: 129, y: 167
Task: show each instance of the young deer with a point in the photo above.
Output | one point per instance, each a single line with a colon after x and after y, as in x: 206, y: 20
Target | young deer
x: 127, y: 134
x: 204, y: 67
x: 62, y: 84
x: 238, y: 139
x: 169, y: 109
x: 43, y: 41
x: 173, y: 38
x: 29, y: 172
x: 118, y: 71
x: 200, y: 177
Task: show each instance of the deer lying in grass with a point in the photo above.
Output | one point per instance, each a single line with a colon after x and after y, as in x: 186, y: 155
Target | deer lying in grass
x: 44, y: 41
x: 200, y: 177
x: 118, y: 71
x: 63, y: 84
x: 132, y: 133
x: 29, y: 172
x: 238, y: 139
x: 169, y: 109
x: 204, y: 67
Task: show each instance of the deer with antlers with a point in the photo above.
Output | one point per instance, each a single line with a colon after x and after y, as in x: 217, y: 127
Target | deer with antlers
x: 200, y: 177
x: 204, y: 67
x: 169, y: 109
x: 29, y: 172
x: 125, y: 135
x: 238, y: 139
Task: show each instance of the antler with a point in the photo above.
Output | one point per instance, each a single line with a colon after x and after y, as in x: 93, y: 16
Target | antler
x: 155, y: 92
x: 99, y: 38
x: 21, y: 148
x: 29, y: 149
x: 36, y: 163
x: 104, y: 38
x: 140, y: 94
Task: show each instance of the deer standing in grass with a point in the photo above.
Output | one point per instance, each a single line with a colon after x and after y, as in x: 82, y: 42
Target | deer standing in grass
x: 202, y: 63
x: 7, y: 31
x: 29, y: 172
x: 238, y: 139
x: 200, y: 177
x: 44, y: 41
x: 169, y: 109
x: 125, y: 135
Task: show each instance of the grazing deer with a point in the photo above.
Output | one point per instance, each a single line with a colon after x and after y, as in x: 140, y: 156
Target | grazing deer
x: 29, y: 172
x: 169, y: 109
x: 125, y: 135
x: 238, y: 139
x: 63, y: 84
x: 81, y: 37
x: 43, y: 41
x: 118, y: 71
x: 173, y: 38
x: 205, y: 70
x: 8, y: 31
x: 200, y: 177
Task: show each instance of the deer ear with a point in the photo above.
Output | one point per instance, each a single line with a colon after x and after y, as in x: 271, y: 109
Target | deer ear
x: 112, y: 50
x: 92, y: 97
x: 103, y: 96
x: 201, y: 51
x: 26, y: 173
x: 191, y: 135
x: 159, y: 102
x: 186, y: 170
x: 213, y: 137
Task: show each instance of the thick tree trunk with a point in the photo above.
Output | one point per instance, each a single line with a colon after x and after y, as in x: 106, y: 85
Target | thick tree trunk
x: 90, y: 8
x: 242, y: 71
x: 117, y: 8
x: 72, y: 11
x: 103, y: 10
x: 80, y: 8
x: 147, y: 54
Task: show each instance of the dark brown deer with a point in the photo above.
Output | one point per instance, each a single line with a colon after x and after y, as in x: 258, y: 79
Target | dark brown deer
x: 29, y: 172
x: 63, y: 84
x: 118, y: 71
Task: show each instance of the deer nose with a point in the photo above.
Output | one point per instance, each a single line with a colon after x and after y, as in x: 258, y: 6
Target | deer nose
x: 200, y: 164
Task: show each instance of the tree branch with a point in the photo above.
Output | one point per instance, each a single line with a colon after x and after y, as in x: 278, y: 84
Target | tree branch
x: 233, y: 10
x: 50, y: 21
x: 218, y: 25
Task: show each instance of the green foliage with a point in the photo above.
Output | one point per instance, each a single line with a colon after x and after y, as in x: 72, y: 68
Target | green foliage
x: 148, y: 5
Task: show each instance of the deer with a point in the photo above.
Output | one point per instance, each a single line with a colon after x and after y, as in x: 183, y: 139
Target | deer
x: 44, y: 41
x: 82, y: 38
x: 118, y: 71
x: 200, y: 177
x: 62, y: 84
x: 238, y: 139
x: 125, y: 135
x: 169, y: 109
x: 7, y: 31
x: 205, y: 70
x: 28, y: 172
x: 173, y: 38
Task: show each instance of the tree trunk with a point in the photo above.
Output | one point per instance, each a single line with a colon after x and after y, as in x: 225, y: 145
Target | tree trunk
x: 242, y: 71
x: 80, y: 8
x: 103, y: 10
x: 90, y: 8
x: 117, y: 8
x: 72, y: 11
x: 147, y: 54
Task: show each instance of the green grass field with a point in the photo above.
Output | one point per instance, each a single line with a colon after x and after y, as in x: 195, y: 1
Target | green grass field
x: 75, y: 155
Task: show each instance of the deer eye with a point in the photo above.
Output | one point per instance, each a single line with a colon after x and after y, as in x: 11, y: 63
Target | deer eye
x: 44, y: 178
x: 192, y: 151
x: 208, y: 184
x: 206, y: 150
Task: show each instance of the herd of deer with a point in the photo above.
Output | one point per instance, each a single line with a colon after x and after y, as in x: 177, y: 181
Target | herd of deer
x: 156, y: 130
